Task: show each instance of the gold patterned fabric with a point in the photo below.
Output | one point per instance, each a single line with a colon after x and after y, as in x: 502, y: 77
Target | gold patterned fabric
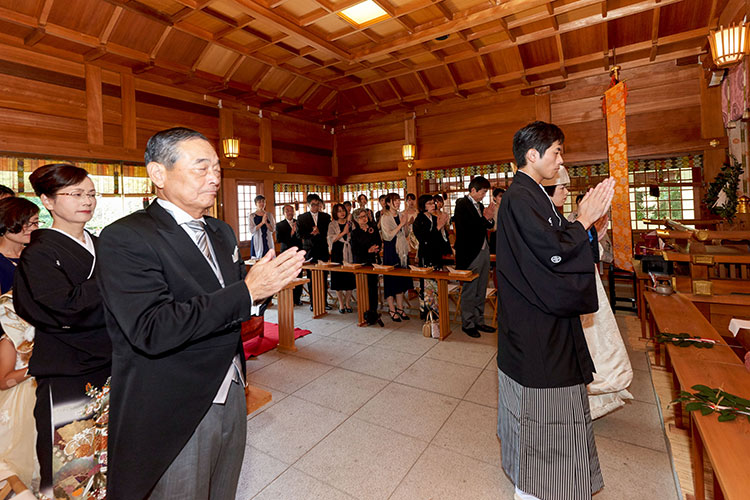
x: 617, y: 148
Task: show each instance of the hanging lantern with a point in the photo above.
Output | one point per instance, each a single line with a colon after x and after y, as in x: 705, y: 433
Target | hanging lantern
x: 728, y: 45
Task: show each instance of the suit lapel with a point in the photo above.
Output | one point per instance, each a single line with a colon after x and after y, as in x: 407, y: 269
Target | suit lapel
x: 222, y: 250
x: 188, y: 252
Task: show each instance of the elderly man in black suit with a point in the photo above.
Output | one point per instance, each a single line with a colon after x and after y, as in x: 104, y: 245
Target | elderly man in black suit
x: 472, y: 221
x: 175, y: 294
x: 287, y: 234
x: 313, y: 229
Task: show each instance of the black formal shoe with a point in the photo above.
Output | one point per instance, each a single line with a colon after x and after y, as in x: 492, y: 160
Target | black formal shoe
x: 342, y: 311
x: 485, y: 328
x: 349, y: 310
x: 311, y: 307
x: 328, y: 308
x: 395, y: 317
x: 471, y: 332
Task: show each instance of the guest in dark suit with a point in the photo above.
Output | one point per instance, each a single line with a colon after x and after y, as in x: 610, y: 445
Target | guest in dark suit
x: 313, y: 230
x: 175, y: 295
x: 55, y: 291
x: 287, y: 235
x: 472, y: 221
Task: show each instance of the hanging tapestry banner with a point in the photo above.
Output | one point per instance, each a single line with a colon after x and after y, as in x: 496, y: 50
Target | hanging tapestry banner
x: 617, y: 152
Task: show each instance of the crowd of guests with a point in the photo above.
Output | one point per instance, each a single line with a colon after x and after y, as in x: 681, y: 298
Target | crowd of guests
x: 161, y: 310
x: 415, y: 233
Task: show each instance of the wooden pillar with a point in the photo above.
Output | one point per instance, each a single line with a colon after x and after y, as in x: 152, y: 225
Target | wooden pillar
x: 543, y: 109
x: 127, y: 103
x: 410, y: 137
x: 266, y: 141
x: 94, y: 113
x: 228, y: 196
x: 712, y: 127
x: 335, y: 158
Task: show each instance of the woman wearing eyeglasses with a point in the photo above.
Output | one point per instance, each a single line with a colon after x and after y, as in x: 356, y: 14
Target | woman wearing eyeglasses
x: 18, y: 218
x: 55, y: 290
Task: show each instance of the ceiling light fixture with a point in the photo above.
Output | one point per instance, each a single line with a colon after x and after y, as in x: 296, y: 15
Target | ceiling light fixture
x: 364, y: 14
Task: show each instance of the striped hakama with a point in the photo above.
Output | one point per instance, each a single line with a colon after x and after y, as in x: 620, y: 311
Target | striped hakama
x: 547, y: 440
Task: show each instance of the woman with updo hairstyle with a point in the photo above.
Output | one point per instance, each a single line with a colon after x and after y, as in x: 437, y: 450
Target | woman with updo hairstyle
x: 55, y: 290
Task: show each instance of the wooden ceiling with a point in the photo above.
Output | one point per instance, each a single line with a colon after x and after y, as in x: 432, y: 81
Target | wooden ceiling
x: 299, y: 57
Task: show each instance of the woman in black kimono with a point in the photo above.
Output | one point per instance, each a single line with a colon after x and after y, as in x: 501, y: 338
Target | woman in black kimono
x: 431, y: 249
x: 340, y: 249
x: 425, y: 227
x: 366, y: 246
x: 55, y: 291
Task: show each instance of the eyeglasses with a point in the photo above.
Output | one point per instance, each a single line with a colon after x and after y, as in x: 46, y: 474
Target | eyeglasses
x: 81, y: 196
x: 31, y: 224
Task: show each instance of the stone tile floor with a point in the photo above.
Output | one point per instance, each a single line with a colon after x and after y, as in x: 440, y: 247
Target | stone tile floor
x: 384, y: 413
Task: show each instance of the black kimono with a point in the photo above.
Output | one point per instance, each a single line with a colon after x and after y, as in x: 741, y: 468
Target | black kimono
x: 362, y: 240
x: 545, y: 282
x: 431, y: 242
x: 55, y: 291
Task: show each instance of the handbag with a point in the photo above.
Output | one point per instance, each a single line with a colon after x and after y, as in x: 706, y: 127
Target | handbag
x: 431, y: 327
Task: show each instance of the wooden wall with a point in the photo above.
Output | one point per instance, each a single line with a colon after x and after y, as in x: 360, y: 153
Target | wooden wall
x: 54, y: 107
x: 664, y: 116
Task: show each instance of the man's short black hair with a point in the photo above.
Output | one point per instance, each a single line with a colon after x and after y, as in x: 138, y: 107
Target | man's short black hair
x: 313, y: 197
x: 381, y: 197
x: 6, y: 191
x: 497, y: 191
x: 162, y: 146
x: 536, y: 135
x: 478, y: 183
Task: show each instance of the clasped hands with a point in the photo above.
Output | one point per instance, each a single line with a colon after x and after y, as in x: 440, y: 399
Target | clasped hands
x: 270, y: 274
x: 596, y: 202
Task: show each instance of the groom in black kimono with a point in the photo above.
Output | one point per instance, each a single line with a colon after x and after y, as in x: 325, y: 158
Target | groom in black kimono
x: 545, y: 281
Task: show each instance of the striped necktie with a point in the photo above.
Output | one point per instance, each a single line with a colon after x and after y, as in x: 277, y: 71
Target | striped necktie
x: 199, y: 229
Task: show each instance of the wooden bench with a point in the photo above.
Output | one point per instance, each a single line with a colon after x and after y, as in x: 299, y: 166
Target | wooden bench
x: 727, y: 444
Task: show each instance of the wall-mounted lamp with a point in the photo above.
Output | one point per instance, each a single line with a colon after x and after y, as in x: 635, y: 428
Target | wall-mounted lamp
x: 409, y: 152
x: 728, y: 45
x: 231, y: 148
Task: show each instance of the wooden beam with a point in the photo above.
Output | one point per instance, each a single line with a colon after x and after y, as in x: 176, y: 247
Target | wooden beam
x: 111, y: 24
x: 308, y: 93
x: 469, y: 21
x: 160, y: 42
x: 262, y: 77
x: 34, y: 37
x: 127, y: 107
x: 655, y: 33
x: 371, y: 96
x: 445, y: 11
x: 46, y: 7
x: 561, y: 55
x: 94, y: 110
x: 327, y: 99
x: 395, y: 90
x: 287, y: 26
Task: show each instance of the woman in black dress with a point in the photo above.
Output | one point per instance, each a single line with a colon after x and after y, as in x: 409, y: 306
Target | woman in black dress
x: 339, y: 246
x: 394, y: 229
x: 431, y: 250
x: 55, y: 290
x: 366, y: 245
x: 425, y: 227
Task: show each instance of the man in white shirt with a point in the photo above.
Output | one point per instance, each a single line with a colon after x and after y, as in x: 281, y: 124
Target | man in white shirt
x: 176, y: 294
